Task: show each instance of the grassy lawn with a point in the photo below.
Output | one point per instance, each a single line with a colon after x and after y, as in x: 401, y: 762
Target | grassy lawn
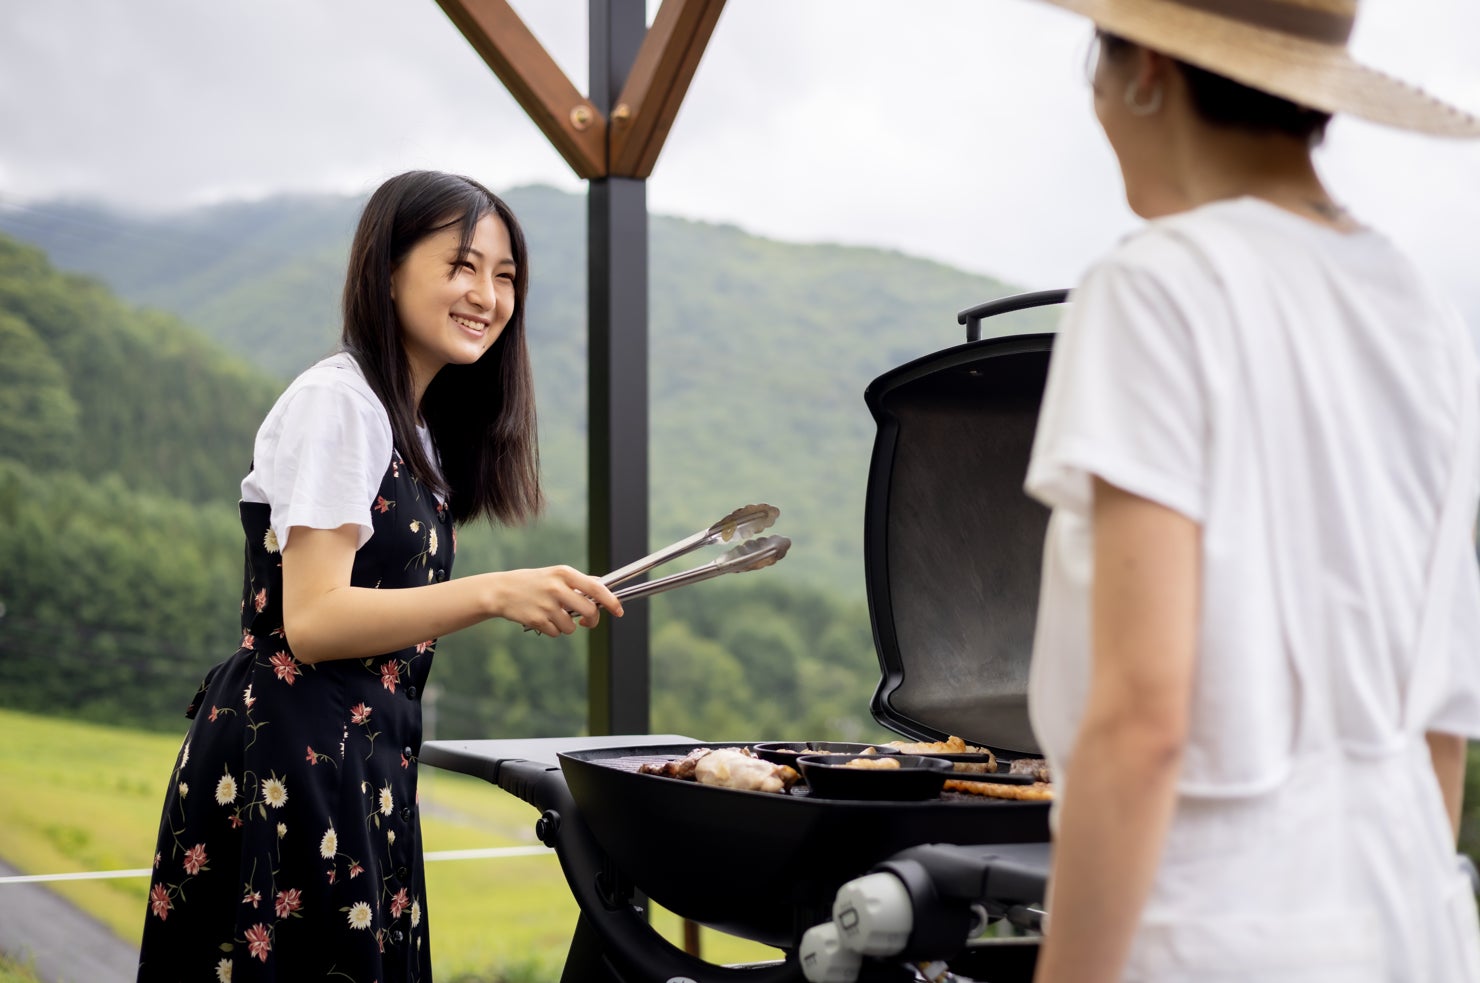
x: 14, y: 972
x: 79, y: 796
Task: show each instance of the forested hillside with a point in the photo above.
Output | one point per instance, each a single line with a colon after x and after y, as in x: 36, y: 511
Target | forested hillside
x: 760, y: 350
x: 123, y: 436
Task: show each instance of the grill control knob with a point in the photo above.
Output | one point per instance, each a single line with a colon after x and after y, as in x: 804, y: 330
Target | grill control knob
x: 824, y: 957
x: 546, y: 826
x: 874, y: 915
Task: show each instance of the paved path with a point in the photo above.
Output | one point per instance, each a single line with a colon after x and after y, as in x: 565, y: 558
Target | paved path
x: 61, y: 942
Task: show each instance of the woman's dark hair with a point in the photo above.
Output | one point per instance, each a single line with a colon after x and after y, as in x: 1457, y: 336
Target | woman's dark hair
x: 1223, y: 102
x: 481, y: 416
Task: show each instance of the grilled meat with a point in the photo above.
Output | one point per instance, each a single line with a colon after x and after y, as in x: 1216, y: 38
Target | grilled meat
x: 734, y: 768
x: 1036, y: 767
x: 1037, y: 792
x: 682, y: 768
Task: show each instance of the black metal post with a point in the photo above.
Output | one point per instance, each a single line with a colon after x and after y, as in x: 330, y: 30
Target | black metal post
x: 617, y: 276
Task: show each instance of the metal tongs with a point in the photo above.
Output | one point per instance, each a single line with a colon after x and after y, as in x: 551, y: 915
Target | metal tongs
x: 753, y: 554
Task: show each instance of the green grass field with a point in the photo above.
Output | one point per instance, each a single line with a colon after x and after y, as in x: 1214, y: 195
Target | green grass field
x: 81, y: 797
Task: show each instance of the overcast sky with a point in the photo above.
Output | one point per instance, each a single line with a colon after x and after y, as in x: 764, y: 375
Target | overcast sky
x: 955, y: 129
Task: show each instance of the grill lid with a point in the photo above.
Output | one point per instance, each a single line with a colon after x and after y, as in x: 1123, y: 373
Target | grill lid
x: 952, y: 545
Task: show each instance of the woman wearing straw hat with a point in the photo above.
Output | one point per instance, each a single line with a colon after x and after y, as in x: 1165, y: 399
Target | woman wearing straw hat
x: 1258, y: 651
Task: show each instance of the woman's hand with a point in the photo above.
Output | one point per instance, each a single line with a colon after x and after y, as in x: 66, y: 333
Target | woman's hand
x: 551, y: 599
x: 325, y: 618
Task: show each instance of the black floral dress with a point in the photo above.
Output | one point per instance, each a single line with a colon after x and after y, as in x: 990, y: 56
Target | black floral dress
x: 290, y: 845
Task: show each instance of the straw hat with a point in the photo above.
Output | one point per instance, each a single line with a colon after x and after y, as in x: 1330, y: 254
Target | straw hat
x: 1290, y: 48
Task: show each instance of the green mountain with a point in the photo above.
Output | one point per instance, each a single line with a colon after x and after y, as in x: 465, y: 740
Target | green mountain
x: 760, y: 350
x: 123, y: 435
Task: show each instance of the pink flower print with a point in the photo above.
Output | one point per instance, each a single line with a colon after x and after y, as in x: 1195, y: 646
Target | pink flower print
x: 313, y: 759
x: 381, y: 505
x: 331, y: 875
x: 399, y: 903
x: 423, y: 646
x: 236, y: 821
x: 259, y: 942
x: 360, y: 714
x: 247, y: 640
x: 252, y: 898
x: 214, y: 710
x: 286, y: 667
x: 404, y: 762
x: 288, y: 902
x: 248, y: 698
x: 156, y: 861
x: 260, y: 601
x: 195, y: 859
x: 390, y: 675
x: 355, y: 870
x: 159, y: 902
x: 395, y: 467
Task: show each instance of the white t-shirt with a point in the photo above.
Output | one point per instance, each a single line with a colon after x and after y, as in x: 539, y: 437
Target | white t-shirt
x: 1318, y: 528
x: 322, y: 451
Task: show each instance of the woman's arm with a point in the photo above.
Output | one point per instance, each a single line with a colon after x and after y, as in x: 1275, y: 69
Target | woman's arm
x: 1121, y: 781
x: 325, y: 618
x: 1448, y: 754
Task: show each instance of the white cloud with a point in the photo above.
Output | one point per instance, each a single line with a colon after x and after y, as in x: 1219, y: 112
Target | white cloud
x: 956, y: 129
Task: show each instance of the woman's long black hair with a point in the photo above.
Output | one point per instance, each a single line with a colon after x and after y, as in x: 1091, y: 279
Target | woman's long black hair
x: 481, y: 416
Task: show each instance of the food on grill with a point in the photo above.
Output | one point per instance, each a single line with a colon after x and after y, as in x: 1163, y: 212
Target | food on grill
x: 987, y: 766
x: 951, y: 745
x: 876, y: 762
x: 733, y: 767
x: 1036, y: 767
x: 1037, y: 792
x: 683, y: 768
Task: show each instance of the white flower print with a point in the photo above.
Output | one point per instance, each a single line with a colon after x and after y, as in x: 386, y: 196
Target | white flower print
x: 415, y: 525
x: 226, y: 790
x: 329, y: 845
x: 185, y: 754
x: 275, y: 793
x: 387, y: 801
x: 390, y: 837
x: 416, y: 913
x: 359, y: 915
x: 282, y: 830
x: 184, y: 789
x: 432, y: 542
x: 270, y: 541
x: 223, y: 971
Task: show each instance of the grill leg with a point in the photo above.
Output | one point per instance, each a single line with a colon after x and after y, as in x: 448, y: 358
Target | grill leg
x: 584, y: 963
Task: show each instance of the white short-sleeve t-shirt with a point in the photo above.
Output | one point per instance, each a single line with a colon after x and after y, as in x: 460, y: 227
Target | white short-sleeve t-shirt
x: 1150, y: 390
x: 322, y: 451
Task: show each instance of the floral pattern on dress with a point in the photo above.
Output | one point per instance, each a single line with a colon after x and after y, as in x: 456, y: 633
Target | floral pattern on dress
x: 298, y: 853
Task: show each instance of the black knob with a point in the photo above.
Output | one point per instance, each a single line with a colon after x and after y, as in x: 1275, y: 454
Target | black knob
x: 406, y: 814
x: 402, y: 873
x: 407, y: 751
x: 547, y: 826
x: 410, y: 692
x: 441, y: 575
x: 397, y: 937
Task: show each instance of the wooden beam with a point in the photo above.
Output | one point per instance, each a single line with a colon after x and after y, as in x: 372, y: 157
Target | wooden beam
x: 656, y: 86
x: 568, y: 119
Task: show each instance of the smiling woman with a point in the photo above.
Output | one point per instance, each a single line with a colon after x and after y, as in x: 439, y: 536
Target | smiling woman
x: 303, y: 755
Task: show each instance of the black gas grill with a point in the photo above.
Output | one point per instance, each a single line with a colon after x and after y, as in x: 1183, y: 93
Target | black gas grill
x: 952, y: 549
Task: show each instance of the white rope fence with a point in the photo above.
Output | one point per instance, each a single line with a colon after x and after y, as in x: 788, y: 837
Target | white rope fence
x: 487, y: 853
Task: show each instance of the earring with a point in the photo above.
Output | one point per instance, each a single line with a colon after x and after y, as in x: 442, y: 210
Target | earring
x: 1147, y: 108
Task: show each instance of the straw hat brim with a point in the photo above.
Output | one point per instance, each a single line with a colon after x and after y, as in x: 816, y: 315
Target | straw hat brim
x: 1309, y: 73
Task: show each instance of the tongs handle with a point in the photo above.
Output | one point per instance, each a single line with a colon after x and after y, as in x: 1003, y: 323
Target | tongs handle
x: 753, y: 555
